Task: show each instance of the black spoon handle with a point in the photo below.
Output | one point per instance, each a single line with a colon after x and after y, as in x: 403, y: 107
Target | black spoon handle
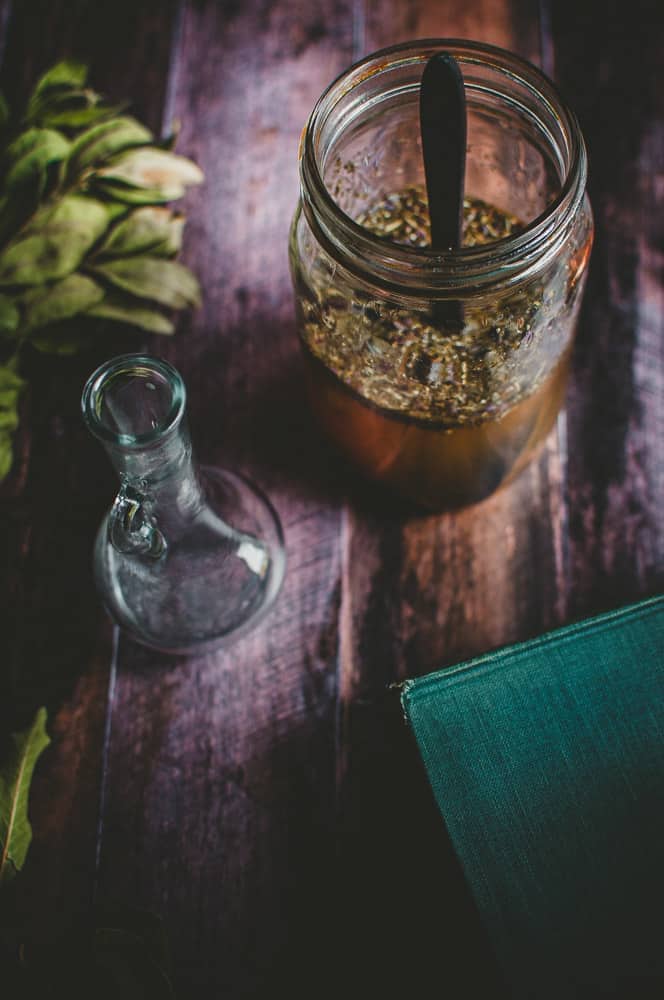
x: 443, y: 127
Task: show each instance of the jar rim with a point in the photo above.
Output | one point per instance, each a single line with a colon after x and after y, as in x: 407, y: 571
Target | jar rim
x: 447, y: 270
x: 124, y: 364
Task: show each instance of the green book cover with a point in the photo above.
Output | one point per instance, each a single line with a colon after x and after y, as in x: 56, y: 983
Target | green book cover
x: 546, y: 760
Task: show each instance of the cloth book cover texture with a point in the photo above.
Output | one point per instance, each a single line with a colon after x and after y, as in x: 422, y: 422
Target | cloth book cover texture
x: 547, y: 763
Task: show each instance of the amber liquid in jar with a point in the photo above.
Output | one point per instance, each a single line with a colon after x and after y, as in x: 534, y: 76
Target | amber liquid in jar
x: 434, y: 465
x: 442, y: 417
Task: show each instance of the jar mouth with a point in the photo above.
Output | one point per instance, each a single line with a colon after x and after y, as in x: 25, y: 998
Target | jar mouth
x: 444, y: 272
x: 133, y: 401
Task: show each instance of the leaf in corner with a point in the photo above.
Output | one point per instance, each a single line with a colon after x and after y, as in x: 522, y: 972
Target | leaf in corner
x: 15, y: 776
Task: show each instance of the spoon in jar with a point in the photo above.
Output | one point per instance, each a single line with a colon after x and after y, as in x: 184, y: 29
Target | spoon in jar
x: 443, y: 130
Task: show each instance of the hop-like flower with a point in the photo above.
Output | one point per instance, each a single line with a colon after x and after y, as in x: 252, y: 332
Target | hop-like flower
x: 86, y: 227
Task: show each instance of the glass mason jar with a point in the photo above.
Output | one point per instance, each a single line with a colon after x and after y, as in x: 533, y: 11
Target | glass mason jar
x: 439, y: 373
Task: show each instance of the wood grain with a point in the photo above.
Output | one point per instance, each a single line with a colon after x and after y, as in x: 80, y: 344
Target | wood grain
x: 616, y: 410
x: 127, y: 46
x: 512, y: 24
x: 58, y: 640
x: 220, y: 804
x: 267, y: 801
x: 420, y: 593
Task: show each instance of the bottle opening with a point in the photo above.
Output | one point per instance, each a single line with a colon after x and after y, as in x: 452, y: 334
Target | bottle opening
x: 363, y: 174
x: 133, y: 400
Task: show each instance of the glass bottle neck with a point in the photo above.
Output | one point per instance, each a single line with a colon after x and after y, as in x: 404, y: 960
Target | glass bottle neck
x: 135, y: 405
x: 165, y: 470
x: 156, y: 463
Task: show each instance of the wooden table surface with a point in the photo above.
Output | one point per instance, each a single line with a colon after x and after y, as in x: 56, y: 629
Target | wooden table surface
x: 266, y: 801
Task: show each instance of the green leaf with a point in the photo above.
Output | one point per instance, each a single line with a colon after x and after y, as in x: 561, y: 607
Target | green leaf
x: 4, y: 112
x: 162, y: 281
x: 35, y: 259
x: 8, y: 417
x: 152, y: 229
x: 15, y: 777
x: 30, y: 140
x: 51, y: 303
x: 155, y: 169
x: 8, y: 420
x: 96, y: 144
x: 31, y: 153
x: 126, y: 309
x: 6, y: 454
x: 9, y: 378
x: 55, y: 243
x: 72, y: 210
x: 69, y: 109
x: 67, y: 73
x: 11, y: 385
x: 9, y: 316
x: 118, y: 190
x: 73, y: 119
x: 61, y: 209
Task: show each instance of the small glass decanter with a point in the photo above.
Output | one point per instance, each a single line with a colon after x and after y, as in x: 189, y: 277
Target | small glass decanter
x: 188, y: 556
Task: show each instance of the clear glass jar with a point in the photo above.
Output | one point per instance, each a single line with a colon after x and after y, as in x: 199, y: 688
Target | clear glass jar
x: 442, y: 403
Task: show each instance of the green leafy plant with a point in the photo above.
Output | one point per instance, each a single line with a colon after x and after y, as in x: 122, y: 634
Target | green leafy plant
x: 16, y: 771
x: 86, y: 227
x: 87, y: 233
x: 110, y: 952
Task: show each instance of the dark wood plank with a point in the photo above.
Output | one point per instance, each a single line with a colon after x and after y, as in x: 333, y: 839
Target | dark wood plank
x: 420, y: 593
x: 466, y: 579
x: 512, y: 25
x: 220, y: 805
x: 58, y: 640
x: 5, y: 14
x: 126, y: 45
x: 616, y: 410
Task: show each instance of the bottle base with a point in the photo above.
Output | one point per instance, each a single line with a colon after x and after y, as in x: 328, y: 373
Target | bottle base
x: 203, y: 596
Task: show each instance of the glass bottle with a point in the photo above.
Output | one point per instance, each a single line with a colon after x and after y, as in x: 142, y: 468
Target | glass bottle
x: 187, y: 556
x: 439, y: 373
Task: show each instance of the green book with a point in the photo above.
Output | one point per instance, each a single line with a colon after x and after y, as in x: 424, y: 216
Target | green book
x: 546, y: 760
